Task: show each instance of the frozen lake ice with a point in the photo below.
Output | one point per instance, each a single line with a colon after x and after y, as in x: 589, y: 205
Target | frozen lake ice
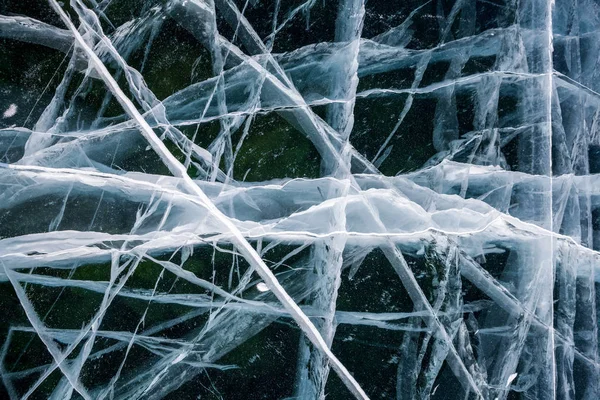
x: 299, y: 199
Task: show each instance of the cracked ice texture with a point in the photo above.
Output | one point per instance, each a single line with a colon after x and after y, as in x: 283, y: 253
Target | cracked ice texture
x: 227, y: 199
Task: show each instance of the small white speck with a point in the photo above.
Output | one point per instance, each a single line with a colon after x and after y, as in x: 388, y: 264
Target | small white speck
x: 262, y: 287
x: 10, y: 111
x: 511, y: 378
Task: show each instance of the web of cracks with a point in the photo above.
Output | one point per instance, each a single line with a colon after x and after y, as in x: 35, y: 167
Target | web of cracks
x: 492, y: 241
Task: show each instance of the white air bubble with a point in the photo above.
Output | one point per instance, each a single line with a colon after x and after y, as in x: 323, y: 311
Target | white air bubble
x: 262, y: 287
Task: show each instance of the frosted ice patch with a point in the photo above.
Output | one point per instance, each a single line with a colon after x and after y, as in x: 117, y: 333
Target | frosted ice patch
x: 262, y: 287
x: 511, y: 378
x: 10, y: 111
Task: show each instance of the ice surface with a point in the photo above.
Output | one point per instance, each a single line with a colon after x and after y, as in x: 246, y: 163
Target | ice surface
x: 229, y: 199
